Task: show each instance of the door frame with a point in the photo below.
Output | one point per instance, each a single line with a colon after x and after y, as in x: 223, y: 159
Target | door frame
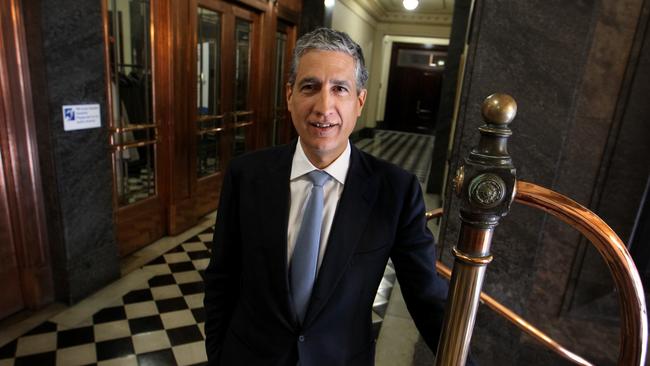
x: 20, y: 163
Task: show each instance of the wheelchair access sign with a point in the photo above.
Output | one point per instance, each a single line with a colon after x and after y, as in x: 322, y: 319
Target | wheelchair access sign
x: 81, y: 117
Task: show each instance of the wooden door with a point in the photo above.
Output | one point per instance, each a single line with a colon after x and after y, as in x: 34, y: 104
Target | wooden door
x: 282, y: 130
x: 226, y: 109
x: 135, y: 119
x: 414, y: 86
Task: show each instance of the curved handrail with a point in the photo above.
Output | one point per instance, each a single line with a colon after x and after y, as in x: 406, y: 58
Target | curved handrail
x: 634, y: 329
x: 511, y: 316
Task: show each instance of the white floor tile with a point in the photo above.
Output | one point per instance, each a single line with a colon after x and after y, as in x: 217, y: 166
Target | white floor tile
x: 191, y: 353
x: 112, y: 330
x: 152, y: 341
x: 175, y: 319
x: 78, y: 355
x: 36, y: 344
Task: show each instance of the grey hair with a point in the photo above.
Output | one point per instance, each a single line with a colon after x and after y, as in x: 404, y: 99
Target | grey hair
x: 325, y: 39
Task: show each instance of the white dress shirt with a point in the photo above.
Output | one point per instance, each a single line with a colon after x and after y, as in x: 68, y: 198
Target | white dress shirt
x: 301, y: 186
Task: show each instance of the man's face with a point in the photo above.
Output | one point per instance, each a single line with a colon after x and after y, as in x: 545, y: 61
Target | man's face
x: 324, y: 104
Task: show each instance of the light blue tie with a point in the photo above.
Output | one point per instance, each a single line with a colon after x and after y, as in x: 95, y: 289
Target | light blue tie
x: 304, y: 261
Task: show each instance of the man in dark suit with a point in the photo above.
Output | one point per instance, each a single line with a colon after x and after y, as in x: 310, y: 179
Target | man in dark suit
x: 275, y: 292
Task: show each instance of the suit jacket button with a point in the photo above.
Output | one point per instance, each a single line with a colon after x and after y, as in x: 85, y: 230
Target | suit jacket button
x: 301, y: 338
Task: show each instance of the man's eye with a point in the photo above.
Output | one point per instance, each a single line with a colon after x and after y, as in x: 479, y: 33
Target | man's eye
x: 307, y: 87
x: 340, y: 89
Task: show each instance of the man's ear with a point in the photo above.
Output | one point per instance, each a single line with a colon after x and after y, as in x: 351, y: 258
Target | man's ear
x: 361, y: 99
x: 289, y: 92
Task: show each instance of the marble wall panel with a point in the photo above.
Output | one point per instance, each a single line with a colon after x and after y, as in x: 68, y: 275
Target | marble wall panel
x: 74, y: 70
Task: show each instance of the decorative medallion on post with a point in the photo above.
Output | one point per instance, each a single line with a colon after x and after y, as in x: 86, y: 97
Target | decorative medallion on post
x: 485, y: 184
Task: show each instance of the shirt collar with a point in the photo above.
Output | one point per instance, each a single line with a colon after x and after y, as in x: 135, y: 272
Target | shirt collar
x: 338, y: 169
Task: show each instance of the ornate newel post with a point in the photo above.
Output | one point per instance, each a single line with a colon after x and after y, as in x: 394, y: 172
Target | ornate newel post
x: 485, y: 183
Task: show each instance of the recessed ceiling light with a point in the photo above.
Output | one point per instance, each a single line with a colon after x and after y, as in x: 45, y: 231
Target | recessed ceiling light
x: 410, y: 4
x: 329, y: 3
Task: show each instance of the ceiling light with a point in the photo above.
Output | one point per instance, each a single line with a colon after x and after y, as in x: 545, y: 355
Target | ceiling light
x: 410, y: 4
x: 329, y: 3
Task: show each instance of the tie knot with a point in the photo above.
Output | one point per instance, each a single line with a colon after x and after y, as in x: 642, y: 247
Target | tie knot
x: 318, y: 177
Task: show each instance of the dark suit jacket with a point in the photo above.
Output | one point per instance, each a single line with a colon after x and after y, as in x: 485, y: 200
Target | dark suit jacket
x: 249, y: 315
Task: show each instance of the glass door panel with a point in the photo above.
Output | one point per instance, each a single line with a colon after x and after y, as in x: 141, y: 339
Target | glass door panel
x: 243, y: 115
x: 210, y: 118
x: 225, y: 110
x: 133, y: 131
x: 279, y: 112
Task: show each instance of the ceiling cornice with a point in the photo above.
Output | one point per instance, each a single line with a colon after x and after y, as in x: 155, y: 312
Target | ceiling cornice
x: 373, y: 8
x: 419, y: 18
x: 378, y: 11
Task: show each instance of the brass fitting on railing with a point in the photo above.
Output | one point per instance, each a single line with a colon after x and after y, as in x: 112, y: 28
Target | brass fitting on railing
x: 485, y: 183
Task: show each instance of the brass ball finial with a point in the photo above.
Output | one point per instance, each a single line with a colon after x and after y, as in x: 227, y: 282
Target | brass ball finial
x: 499, y: 109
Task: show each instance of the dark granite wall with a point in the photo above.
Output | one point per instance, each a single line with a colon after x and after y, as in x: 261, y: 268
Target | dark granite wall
x: 535, y: 51
x: 68, y: 64
x: 603, y: 167
x: 638, y: 116
x: 579, y: 72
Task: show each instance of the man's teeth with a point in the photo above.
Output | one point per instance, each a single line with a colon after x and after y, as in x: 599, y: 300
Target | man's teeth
x: 323, y: 125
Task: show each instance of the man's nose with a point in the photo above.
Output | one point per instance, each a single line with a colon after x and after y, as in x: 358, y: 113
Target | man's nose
x: 324, y: 103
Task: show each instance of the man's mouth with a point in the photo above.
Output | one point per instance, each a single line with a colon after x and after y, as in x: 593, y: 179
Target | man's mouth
x: 323, y: 125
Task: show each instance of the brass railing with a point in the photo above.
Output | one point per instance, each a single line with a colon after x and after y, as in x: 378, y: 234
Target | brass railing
x: 635, y: 330
x: 486, y: 185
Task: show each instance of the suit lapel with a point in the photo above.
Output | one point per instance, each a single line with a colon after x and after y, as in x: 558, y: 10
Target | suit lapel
x: 273, y: 188
x: 352, y: 213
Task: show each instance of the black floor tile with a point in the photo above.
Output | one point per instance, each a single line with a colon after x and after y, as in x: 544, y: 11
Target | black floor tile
x: 191, y: 288
x: 145, y: 324
x: 162, y: 280
x: 45, y: 327
x: 138, y: 296
x: 173, y: 304
x: 199, y: 315
x: 390, y: 277
x: 183, y: 335
x: 198, y: 254
x: 209, y: 230
x: 158, y: 358
x: 114, y: 348
x: 380, y: 309
x: 40, y: 359
x: 385, y: 292
x: 182, y: 267
x: 75, y: 337
x: 176, y: 249
x: 158, y: 260
x: 109, y: 314
x: 193, y: 239
x: 8, y: 350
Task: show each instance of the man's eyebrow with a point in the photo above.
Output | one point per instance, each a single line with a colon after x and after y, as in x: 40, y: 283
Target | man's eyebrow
x: 340, y: 82
x: 309, y: 80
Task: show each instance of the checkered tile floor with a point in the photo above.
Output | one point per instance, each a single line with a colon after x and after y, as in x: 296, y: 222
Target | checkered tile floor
x: 160, y: 322
x: 411, y: 151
